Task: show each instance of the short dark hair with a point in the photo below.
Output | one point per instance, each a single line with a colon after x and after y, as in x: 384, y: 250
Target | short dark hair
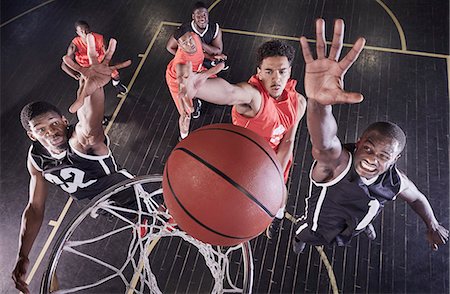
x: 180, y: 31
x: 274, y: 48
x: 34, y: 109
x: 390, y: 130
x: 82, y: 23
x: 199, y: 5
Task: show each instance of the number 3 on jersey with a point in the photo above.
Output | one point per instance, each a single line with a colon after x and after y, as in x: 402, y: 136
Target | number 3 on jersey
x: 70, y: 179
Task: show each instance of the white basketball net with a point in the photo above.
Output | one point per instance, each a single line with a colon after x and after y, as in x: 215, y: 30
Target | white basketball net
x: 159, y: 224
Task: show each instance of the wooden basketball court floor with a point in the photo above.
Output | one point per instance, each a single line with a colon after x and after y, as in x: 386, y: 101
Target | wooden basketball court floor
x: 403, y: 74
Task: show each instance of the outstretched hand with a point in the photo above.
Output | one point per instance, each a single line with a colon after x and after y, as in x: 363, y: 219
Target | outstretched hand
x: 324, y: 77
x: 189, y: 83
x: 95, y: 76
x: 438, y: 236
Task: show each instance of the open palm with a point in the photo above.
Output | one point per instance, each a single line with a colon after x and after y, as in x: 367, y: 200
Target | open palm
x: 189, y: 82
x: 95, y: 76
x: 324, y: 77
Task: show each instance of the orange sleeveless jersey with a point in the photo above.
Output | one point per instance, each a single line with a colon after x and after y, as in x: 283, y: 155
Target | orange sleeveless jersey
x: 81, y: 56
x: 181, y: 57
x: 274, y: 118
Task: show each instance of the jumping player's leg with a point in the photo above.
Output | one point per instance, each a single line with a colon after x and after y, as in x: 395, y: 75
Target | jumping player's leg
x: 274, y: 227
x: 304, y: 235
x: 185, y: 119
x: 115, y: 80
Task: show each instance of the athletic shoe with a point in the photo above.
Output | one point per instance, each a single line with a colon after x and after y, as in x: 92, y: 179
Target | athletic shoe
x: 197, y: 108
x: 105, y: 120
x: 298, y: 246
x: 370, y: 232
x: 216, y: 62
x: 121, y: 88
x: 273, y: 228
x: 170, y: 222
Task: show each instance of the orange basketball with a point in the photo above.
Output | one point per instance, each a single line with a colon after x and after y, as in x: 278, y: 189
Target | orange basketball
x: 223, y: 184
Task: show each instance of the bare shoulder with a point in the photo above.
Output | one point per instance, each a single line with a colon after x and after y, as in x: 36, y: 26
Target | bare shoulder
x: 92, y: 142
x: 251, y: 104
x: 327, y: 170
x: 32, y: 169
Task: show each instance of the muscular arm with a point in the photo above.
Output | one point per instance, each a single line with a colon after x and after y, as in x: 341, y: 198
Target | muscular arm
x: 71, y: 54
x: 89, y: 131
x: 436, y: 234
x: 31, y: 223
x: 286, y: 146
x: 172, y: 45
x: 324, y: 80
x: 322, y: 128
x: 216, y: 46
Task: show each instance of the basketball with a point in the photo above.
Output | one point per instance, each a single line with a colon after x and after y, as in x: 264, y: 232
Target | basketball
x: 223, y: 184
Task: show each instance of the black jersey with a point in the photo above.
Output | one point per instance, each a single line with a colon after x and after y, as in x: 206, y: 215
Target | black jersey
x: 80, y: 175
x: 340, y: 209
x: 208, y: 35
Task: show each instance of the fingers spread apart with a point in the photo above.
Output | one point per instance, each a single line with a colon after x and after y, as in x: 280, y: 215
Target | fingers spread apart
x: 92, y: 53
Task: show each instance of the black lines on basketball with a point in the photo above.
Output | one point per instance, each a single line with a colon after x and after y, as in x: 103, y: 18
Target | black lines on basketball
x: 193, y: 217
x: 227, y: 178
x: 248, y: 138
x: 223, y: 184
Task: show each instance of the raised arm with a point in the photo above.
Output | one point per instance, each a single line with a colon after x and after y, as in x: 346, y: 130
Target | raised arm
x: 70, y: 54
x: 217, y: 90
x: 324, y: 80
x: 436, y: 234
x: 31, y: 223
x: 95, y: 76
x: 172, y: 45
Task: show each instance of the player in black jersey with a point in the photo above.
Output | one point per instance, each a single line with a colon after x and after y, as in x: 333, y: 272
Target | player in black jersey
x: 212, y: 44
x: 350, y: 184
x: 210, y: 34
x: 77, y: 158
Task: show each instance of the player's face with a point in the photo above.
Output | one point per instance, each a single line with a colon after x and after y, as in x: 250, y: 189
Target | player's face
x: 50, y: 129
x: 375, y: 154
x: 82, y: 32
x: 201, y: 18
x: 274, y: 73
x: 187, y: 43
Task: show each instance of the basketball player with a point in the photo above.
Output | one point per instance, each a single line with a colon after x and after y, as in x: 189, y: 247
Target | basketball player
x: 77, y: 51
x: 350, y: 183
x: 211, y: 37
x: 267, y: 104
x: 75, y: 158
x: 189, y: 50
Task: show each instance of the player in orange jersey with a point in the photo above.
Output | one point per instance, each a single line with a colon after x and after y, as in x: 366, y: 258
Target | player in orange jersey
x: 189, y: 50
x: 77, y: 51
x: 267, y: 104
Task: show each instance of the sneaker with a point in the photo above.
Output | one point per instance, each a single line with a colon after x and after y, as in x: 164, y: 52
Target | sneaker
x: 216, y: 62
x: 298, y: 246
x: 105, y: 120
x: 121, y: 88
x: 170, y: 225
x: 370, y: 232
x: 197, y: 108
x: 273, y: 228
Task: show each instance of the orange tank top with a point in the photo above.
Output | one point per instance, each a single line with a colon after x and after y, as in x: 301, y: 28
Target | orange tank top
x: 275, y: 117
x: 181, y: 57
x: 81, y: 56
